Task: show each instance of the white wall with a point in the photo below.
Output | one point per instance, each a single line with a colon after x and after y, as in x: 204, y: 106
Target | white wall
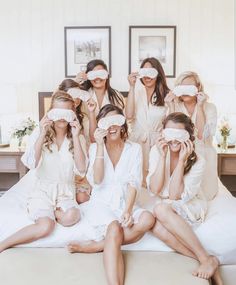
x: 32, y: 43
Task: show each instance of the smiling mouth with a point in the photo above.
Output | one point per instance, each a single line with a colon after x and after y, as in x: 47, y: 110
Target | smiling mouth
x: 112, y: 132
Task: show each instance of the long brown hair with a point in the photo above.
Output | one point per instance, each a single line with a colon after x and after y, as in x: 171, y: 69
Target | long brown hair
x: 113, y: 94
x: 161, y: 88
x: 179, y: 117
x: 65, y: 85
x: 60, y: 96
x: 110, y: 108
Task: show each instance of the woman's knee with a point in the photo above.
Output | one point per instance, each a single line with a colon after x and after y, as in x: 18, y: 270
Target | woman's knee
x: 70, y: 217
x: 161, y: 211
x: 45, y: 227
x: 115, y: 232
x: 146, y: 221
x: 82, y: 197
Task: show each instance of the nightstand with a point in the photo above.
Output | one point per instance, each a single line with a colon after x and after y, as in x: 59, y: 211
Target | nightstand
x: 11, y: 167
x: 227, y: 168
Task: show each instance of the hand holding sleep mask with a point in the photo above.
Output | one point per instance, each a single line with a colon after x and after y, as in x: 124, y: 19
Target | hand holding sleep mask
x: 101, y: 73
x: 61, y: 114
x: 148, y: 72
x: 114, y: 120
x: 190, y: 90
x: 77, y: 93
x: 171, y: 134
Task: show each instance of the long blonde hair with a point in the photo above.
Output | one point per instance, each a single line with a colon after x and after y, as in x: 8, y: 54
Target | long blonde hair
x: 50, y: 136
x: 190, y: 74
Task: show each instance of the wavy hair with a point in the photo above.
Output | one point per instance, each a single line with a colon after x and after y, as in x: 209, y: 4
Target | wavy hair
x: 65, y: 85
x: 59, y: 96
x: 179, y: 117
x: 113, y: 94
x: 110, y: 108
x: 161, y: 88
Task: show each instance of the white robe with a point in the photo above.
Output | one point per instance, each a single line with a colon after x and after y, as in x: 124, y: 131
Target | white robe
x: 192, y: 206
x: 54, y: 184
x: 148, y: 119
x: 205, y: 146
x: 107, y: 202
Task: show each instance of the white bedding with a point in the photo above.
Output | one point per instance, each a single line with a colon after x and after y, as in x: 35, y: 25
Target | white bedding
x: 217, y: 233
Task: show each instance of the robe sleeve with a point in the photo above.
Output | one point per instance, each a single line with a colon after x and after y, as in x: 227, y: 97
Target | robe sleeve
x: 136, y: 175
x: 211, y: 121
x: 153, y: 160
x: 193, y: 180
x: 28, y: 157
x: 92, y: 156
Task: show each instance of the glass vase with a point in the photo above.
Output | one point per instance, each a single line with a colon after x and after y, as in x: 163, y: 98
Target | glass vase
x: 224, y: 143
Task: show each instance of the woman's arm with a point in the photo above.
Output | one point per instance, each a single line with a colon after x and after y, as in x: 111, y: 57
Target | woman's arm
x: 201, y: 117
x: 130, y: 101
x: 98, y: 167
x: 157, y: 179
x: 91, y: 104
x: 45, y: 123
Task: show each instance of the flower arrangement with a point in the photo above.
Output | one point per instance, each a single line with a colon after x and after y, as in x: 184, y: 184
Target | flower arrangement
x: 225, y: 133
x: 25, y: 127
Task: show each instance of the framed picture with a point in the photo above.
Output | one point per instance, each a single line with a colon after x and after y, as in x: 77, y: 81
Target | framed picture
x: 153, y: 41
x: 83, y: 44
x: 44, y: 103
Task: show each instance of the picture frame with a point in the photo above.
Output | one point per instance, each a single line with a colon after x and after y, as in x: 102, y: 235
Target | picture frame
x: 153, y: 41
x: 83, y: 44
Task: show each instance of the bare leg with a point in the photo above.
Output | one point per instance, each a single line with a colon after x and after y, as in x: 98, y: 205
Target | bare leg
x: 68, y: 218
x: 42, y: 228
x: 112, y: 257
x: 86, y: 247
x: 168, y: 238
x: 133, y: 234
x: 137, y: 231
x: 182, y: 231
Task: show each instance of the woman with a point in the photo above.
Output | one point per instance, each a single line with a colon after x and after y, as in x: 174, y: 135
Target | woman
x: 174, y: 178
x: 96, y: 82
x: 70, y: 86
x: 56, y: 152
x: 204, y: 116
x: 145, y: 106
x: 115, y: 173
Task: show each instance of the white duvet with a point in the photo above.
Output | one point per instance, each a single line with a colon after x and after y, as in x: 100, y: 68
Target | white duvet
x: 217, y: 233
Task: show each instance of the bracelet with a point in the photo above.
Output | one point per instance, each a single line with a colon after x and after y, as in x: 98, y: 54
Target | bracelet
x: 100, y: 156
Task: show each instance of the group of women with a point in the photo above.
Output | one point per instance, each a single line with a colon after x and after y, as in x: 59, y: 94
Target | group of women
x: 156, y: 140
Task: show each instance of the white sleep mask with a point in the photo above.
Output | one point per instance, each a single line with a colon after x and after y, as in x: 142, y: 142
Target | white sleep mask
x: 61, y: 114
x: 171, y: 134
x: 148, y: 72
x: 77, y: 93
x: 190, y: 90
x: 101, y: 73
x: 114, y: 120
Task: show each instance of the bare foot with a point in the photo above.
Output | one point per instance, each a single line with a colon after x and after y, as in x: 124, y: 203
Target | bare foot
x: 207, y: 268
x: 216, y: 278
x: 88, y: 247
